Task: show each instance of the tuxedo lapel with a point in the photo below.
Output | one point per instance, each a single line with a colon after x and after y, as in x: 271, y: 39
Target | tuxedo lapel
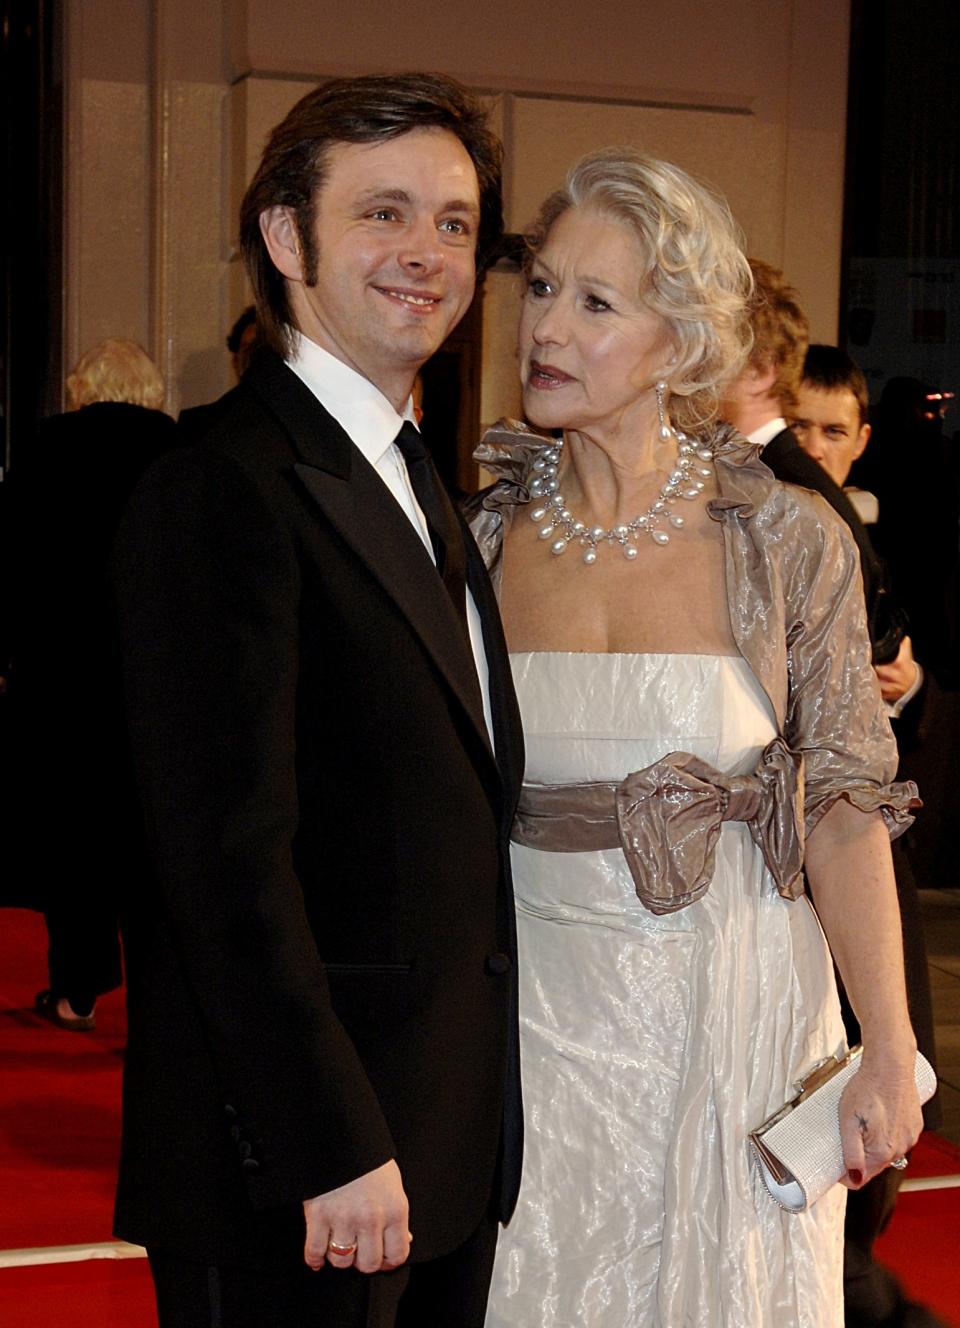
x: 507, y: 727
x: 359, y: 506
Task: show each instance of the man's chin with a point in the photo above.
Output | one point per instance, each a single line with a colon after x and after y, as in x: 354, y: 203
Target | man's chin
x: 419, y: 343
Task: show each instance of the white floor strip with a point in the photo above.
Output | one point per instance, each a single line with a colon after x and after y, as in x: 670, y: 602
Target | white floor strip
x: 105, y: 1249
x: 120, y: 1249
x: 931, y: 1183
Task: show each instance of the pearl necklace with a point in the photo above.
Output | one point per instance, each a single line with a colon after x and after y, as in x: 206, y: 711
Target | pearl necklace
x: 682, y: 482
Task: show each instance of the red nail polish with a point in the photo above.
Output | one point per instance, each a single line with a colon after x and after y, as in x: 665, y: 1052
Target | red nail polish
x: 856, y: 1176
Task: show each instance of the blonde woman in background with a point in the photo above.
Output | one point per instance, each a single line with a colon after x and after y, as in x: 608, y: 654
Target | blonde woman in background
x: 75, y: 826
x: 115, y: 371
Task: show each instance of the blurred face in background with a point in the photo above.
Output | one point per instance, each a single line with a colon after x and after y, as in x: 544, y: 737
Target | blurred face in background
x: 828, y: 428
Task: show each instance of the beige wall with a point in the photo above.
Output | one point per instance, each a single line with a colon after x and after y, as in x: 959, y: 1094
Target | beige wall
x: 169, y: 103
x: 148, y: 235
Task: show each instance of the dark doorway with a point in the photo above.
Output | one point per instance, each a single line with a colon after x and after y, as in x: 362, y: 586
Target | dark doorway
x: 901, y: 296
x: 451, y: 401
x: 31, y: 76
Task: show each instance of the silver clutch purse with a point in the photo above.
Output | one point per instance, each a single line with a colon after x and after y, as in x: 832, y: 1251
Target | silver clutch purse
x: 798, y: 1147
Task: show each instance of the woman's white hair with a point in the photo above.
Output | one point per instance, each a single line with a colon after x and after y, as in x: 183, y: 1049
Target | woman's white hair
x: 693, y: 271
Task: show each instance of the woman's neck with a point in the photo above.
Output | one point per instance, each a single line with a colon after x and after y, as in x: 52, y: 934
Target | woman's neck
x: 608, y: 480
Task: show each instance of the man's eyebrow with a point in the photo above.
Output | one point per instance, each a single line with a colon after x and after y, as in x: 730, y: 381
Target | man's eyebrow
x: 392, y: 194
x: 384, y: 193
x: 462, y: 205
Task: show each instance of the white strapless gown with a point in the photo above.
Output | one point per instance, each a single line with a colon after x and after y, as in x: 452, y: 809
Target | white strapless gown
x: 653, y: 1045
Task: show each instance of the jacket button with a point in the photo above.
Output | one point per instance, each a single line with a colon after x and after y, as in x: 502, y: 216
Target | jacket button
x: 229, y: 1111
x: 244, y: 1149
x: 497, y: 965
x: 250, y: 1164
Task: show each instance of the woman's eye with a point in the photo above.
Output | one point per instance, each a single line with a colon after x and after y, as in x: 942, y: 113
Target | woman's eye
x: 538, y: 287
x: 595, y: 304
x: 455, y: 226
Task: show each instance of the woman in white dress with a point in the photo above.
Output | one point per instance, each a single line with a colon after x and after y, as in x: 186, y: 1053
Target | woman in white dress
x: 670, y: 597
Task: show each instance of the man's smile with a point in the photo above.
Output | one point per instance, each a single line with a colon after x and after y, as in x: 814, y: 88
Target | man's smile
x: 424, y: 300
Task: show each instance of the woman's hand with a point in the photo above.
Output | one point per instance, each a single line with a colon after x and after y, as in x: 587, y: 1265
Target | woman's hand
x: 880, y: 1116
x: 851, y: 878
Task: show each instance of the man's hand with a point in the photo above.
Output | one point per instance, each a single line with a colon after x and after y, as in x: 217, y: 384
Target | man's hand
x: 371, y: 1212
x: 899, y: 675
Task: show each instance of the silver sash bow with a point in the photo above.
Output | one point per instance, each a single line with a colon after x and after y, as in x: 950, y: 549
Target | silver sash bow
x: 667, y: 818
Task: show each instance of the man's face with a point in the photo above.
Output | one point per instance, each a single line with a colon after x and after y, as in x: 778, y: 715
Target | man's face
x: 396, y: 235
x: 827, y: 426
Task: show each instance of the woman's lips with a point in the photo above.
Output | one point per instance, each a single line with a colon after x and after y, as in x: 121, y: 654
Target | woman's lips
x: 544, y: 377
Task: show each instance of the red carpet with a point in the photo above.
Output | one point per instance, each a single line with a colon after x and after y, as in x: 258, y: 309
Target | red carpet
x: 59, y: 1135
x: 934, y: 1156
x: 922, y: 1246
x: 100, y: 1293
x: 59, y: 1104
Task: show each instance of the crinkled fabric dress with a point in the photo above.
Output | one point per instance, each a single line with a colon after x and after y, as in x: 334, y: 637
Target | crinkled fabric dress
x: 651, y: 1045
x: 653, y: 1042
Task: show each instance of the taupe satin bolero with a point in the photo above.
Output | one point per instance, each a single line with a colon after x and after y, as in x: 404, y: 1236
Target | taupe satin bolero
x: 796, y: 607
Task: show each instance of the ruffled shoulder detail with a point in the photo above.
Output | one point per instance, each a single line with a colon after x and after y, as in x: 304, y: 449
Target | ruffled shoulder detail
x: 508, y: 450
x: 895, y: 802
x: 744, y: 481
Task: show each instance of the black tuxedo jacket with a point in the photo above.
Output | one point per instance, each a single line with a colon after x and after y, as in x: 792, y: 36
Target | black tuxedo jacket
x: 323, y: 976
x: 64, y: 736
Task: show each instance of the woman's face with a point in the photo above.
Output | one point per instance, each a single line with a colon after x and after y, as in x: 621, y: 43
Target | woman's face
x: 590, y: 349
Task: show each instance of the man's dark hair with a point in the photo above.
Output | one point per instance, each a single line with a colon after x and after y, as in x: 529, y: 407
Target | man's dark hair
x: 829, y: 368
x: 235, y: 335
x: 359, y: 110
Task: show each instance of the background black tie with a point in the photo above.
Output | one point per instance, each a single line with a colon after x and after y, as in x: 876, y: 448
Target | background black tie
x: 445, y: 531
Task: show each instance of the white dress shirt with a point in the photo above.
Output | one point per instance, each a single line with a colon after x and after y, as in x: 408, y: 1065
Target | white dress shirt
x: 371, y: 424
x: 767, y: 432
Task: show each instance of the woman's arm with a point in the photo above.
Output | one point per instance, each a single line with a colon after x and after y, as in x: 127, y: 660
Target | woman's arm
x: 850, y: 872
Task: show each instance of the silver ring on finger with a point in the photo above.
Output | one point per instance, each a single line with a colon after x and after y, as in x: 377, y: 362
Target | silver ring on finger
x: 341, y: 1251
x: 899, y: 1164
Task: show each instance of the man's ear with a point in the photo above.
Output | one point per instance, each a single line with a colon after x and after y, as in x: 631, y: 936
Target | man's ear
x: 280, y: 235
x: 862, y: 439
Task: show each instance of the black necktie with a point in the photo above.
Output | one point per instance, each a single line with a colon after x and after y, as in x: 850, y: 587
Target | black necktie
x: 445, y: 531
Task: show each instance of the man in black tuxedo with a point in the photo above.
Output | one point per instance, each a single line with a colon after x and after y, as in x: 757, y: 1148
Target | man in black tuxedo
x: 323, y: 1054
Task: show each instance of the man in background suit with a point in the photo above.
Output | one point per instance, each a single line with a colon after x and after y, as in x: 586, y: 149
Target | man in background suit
x: 323, y: 1054
x: 830, y: 422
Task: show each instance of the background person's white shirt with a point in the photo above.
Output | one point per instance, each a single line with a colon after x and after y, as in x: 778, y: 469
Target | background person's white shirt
x: 767, y: 432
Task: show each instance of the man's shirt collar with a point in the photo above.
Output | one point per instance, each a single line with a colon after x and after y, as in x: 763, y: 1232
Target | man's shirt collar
x: 361, y: 409
x: 767, y: 432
